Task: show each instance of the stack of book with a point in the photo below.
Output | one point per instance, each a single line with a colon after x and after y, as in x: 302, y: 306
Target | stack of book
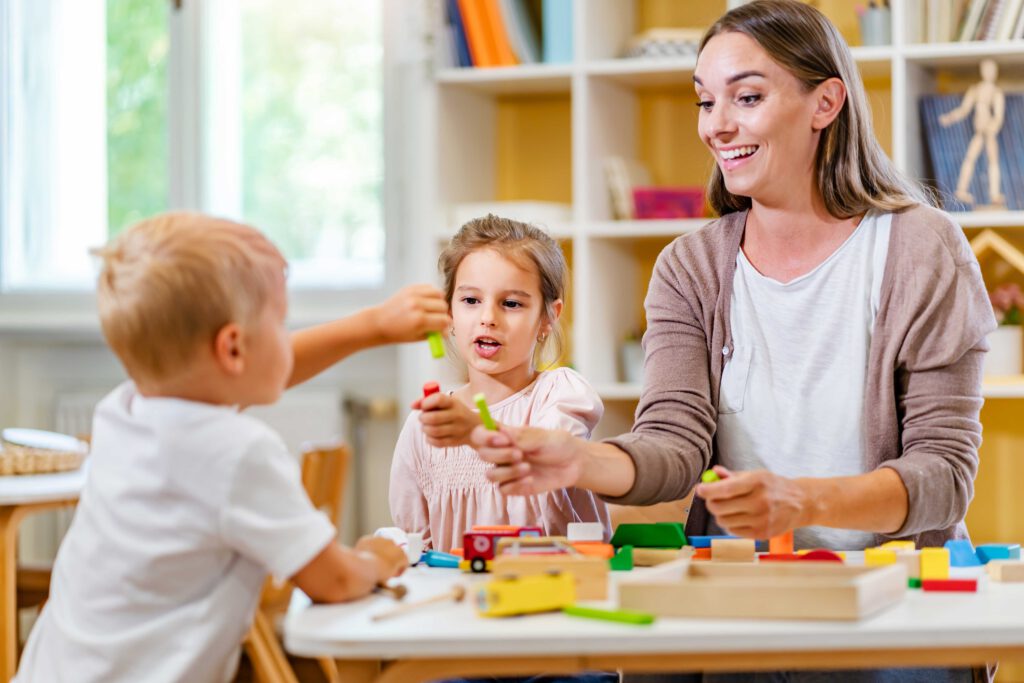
x: 946, y: 21
x: 488, y: 33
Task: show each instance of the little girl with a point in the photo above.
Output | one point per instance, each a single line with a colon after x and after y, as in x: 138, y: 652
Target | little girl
x: 504, y: 282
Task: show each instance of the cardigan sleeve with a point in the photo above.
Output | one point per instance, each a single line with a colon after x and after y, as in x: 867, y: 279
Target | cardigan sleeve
x: 938, y: 385
x: 671, y: 440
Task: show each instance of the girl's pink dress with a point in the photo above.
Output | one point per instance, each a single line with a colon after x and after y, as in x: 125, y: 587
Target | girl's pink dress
x: 443, y: 492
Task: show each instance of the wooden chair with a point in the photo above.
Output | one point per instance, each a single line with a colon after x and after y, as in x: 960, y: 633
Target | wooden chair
x: 325, y: 469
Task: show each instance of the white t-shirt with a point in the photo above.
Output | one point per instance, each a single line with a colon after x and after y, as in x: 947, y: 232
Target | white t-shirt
x: 185, y: 509
x: 792, y: 395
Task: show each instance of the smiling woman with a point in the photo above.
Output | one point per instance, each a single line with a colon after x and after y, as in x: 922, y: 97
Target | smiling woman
x: 819, y: 345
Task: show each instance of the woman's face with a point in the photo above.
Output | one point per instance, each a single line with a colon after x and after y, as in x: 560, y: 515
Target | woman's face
x: 757, y: 119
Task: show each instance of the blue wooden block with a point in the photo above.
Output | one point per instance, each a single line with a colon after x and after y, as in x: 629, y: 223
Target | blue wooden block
x: 705, y: 541
x: 961, y: 553
x: 435, y: 558
x: 998, y: 551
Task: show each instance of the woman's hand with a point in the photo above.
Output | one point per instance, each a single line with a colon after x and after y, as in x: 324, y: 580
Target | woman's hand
x: 757, y: 503
x: 447, y: 421
x: 529, y: 460
x: 410, y: 314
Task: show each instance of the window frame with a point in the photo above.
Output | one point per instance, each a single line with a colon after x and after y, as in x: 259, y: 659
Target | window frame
x: 73, y: 312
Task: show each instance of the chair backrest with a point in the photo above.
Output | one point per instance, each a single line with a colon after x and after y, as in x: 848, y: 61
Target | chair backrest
x: 325, y: 470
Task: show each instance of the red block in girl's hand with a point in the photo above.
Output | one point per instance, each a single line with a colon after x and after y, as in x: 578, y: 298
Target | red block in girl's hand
x: 430, y: 388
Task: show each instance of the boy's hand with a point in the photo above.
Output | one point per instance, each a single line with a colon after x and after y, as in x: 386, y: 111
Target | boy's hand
x: 447, y: 421
x: 389, y: 558
x: 410, y: 314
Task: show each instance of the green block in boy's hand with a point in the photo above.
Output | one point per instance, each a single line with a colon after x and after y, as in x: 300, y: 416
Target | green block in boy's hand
x: 485, y: 414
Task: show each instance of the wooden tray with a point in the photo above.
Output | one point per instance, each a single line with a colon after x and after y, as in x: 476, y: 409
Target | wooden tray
x: 777, y: 590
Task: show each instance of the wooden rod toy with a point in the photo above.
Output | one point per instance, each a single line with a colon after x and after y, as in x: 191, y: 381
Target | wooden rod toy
x: 709, y: 476
x: 456, y: 594
x: 624, y: 616
x: 436, y: 344
x: 485, y: 414
x: 431, y: 388
x: 398, y: 591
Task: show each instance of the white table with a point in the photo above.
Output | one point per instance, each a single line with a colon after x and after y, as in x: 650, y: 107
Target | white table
x: 449, y: 640
x: 21, y: 495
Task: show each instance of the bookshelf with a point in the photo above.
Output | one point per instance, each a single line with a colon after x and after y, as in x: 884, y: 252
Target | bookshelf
x: 542, y: 131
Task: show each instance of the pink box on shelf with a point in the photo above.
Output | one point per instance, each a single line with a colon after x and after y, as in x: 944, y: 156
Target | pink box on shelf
x: 668, y: 202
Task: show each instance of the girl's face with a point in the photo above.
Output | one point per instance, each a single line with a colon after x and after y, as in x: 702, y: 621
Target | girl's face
x: 760, y: 124
x: 498, y: 314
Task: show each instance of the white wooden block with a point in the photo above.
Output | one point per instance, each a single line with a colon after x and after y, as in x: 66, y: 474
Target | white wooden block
x: 585, y: 531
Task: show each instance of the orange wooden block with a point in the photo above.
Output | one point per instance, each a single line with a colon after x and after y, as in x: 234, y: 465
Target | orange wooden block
x: 702, y: 553
x: 781, y: 544
x: 595, y: 549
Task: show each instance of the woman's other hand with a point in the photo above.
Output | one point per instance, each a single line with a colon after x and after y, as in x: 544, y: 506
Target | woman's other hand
x: 757, y: 503
x: 529, y: 460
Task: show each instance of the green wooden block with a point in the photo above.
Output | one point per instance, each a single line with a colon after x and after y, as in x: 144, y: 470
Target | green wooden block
x: 913, y: 583
x: 660, y: 535
x: 622, y: 561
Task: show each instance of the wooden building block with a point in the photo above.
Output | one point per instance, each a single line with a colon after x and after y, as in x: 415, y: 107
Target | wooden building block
x: 911, y: 561
x: 603, y: 550
x: 704, y: 541
x: 585, y: 531
x: 779, y: 557
x: 781, y: 544
x: 780, y: 590
x: 658, y: 535
x: 590, y: 573
x: 899, y: 546
x: 934, y: 563
x: 950, y: 585
x: 997, y: 551
x: 820, y: 555
x: 876, y: 557
x: 623, y: 560
x: 1007, y: 571
x: 512, y: 595
x: 732, y: 550
x: 961, y: 553
x: 649, y: 557
x: 702, y: 553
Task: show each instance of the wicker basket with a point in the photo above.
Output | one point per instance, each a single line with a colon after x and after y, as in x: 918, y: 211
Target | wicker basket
x: 18, y: 459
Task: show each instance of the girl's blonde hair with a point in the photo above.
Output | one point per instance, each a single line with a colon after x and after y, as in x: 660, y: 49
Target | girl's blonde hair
x: 526, y: 246
x: 169, y: 283
x: 853, y: 172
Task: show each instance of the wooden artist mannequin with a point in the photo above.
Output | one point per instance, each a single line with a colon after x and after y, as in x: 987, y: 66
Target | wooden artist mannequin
x: 989, y: 105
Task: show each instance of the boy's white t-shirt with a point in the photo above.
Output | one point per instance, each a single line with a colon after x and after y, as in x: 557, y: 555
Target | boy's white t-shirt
x: 185, y: 509
x: 792, y: 395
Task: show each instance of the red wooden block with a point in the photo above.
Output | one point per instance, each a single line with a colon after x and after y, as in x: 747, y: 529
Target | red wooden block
x: 780, y: 557
x: 950, y: 585
x: 431, y: 388
x: 781, y: 544
x: 821, y: 556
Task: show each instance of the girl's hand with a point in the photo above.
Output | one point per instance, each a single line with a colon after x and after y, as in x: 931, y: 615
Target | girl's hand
x: 389, y: 558
x: 529, y: 460
x: 757, y: 503
x: 410, y: 314
x: 447, y: 421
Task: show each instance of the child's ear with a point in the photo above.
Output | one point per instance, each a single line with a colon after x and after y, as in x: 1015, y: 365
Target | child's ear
x: 551, y: 316
x: 229, y: 349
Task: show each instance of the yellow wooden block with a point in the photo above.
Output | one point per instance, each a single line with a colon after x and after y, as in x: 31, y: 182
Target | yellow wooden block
x: 934, y: 563
x: 876, y: 557
x: 899, y: 545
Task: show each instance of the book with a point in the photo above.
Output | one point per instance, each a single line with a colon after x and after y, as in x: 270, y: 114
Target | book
x: 499, y: 33
x: 947, y: 147
x: 1008, y: 19
x: 989, y: 22
x: 622, y: 175
x: 1018, y: 29
x: 478, y: 33
x: 972, y: 20
x: 522, y: 32
x: 458, y: 34
x: 556, y: 29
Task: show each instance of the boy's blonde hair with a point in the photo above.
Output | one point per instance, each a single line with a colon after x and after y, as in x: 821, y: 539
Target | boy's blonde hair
x: 524, y: 245
x: 169, y: 283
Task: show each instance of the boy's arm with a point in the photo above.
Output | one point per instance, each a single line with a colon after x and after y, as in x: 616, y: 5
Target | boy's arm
x: 340, y: 574
x: 407, y: 316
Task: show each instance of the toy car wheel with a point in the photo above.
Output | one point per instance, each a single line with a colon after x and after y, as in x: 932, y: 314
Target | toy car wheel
x: 478, y: 565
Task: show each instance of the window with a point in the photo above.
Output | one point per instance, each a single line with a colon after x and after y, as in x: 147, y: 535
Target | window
x: 265, y: 111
